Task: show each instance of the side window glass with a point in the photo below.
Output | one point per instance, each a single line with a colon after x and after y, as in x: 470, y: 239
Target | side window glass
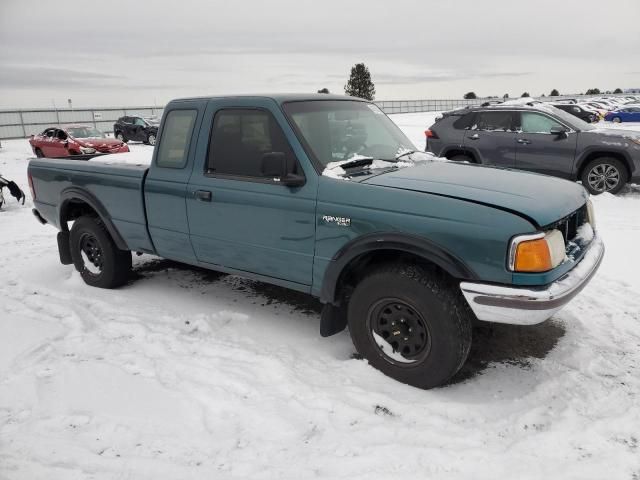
x: 465, y: 122
x: 494, y: 121
x: 239, y: 140
x: 537, y: 123
x: 175, y: 139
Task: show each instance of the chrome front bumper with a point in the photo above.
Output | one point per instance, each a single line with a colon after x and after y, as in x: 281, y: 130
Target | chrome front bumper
x: 531, y: 305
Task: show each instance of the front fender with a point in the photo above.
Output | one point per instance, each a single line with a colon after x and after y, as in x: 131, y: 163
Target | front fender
x: 391, y: 241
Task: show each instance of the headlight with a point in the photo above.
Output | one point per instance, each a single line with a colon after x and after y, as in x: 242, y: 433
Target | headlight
x: 591, y: 214
x: 539, y: 252
x: 87, y: 150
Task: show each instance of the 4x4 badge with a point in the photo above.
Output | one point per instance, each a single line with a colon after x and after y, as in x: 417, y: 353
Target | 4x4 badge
x: 340, y: 221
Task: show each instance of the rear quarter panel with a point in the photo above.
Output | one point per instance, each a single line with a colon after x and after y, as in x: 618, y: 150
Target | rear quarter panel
x: 118, y: 188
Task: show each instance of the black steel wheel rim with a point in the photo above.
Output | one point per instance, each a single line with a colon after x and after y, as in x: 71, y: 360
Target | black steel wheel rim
x: 399, y: 332
x: 93, y: 254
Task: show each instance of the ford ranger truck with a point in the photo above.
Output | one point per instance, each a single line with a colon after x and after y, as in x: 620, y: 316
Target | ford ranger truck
x: 324, y: 194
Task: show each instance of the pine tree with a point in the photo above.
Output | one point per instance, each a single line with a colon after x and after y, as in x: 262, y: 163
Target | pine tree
x: 554, y: 93
x: 360, y: 84
x: 470, y: 95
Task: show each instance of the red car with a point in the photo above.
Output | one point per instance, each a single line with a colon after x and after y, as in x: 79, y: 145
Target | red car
x: 74, y: 140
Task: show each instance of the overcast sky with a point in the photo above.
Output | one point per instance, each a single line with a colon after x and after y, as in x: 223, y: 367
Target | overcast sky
x: 124, y: 52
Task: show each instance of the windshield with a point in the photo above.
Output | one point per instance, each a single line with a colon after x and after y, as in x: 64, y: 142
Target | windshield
x: 85, y: 132
x: 338, y: 130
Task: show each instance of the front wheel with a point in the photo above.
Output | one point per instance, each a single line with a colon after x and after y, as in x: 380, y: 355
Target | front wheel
x: 95, y: 255
x: 604, y: 174
x: 39, y: 153
x: 410, y: 324
x: 151, y: 139
x: 120, y: 136
x: 616, y: 120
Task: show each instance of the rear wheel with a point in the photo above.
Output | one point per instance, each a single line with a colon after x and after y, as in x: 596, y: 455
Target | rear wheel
x: 39, y: 153
x: 411, y: 324
x: 604, y: 174
x: 120, y: 136
x: 95, y: 255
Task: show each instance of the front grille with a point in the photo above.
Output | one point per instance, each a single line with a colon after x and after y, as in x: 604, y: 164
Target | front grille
x: 569, y: 225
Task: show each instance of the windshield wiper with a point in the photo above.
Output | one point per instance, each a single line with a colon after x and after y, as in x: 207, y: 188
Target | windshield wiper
x: 358, y: 162
x: 404, y: 154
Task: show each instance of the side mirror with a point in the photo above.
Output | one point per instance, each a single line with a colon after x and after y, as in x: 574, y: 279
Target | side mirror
x: 559, y: 131
x: 275, y: 165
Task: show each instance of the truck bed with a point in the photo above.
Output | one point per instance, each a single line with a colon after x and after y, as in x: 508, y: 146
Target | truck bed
x: 117, y: 187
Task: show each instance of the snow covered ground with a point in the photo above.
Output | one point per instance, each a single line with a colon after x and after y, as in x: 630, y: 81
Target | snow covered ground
x: 186, y: 373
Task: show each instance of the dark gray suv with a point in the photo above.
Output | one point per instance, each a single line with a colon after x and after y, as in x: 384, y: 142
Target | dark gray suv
x: 539, y: 138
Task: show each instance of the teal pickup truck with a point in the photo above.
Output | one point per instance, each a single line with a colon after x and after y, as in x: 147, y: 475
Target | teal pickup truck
x: 325, y: 195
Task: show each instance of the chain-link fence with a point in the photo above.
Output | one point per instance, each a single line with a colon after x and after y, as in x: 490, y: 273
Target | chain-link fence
x: 22, y: 123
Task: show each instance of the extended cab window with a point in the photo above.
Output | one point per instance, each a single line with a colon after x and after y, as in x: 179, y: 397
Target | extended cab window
x: 239, y: 140
x: 494, y: 121
x: 537, y: 123
x: 176, y: 136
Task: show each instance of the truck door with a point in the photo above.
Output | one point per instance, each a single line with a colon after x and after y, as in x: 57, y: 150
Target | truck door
x: 165, y: 186
x: 240, y: 218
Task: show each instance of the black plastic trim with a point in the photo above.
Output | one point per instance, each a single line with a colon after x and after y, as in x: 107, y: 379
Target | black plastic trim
x: 404, y: 243
x: 76, y: 193
x: 64, y: 248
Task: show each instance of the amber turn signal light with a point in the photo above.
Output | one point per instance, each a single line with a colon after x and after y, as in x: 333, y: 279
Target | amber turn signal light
x: 533, y: 256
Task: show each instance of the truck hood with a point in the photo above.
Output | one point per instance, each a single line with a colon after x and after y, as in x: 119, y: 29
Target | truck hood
x: 541, y: 199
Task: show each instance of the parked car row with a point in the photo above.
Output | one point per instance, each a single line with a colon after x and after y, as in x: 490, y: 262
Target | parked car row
x: 77, y: 140
x: 615, y: 109
x: 539, y: 138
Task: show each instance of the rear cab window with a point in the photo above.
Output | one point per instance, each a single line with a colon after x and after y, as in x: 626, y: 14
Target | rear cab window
x: 176, y: 138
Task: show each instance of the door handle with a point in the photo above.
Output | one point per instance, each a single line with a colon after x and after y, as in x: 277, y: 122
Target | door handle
x: 202, y: 195
x: 524, y: 141
x: 475, y: 136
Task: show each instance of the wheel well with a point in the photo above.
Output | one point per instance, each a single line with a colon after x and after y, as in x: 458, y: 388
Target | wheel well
x: 593, y: 155
x: 361, y: 265
x: 459, y: 151
x: 74, y: 209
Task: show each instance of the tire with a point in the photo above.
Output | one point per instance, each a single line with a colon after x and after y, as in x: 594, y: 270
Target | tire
x: 120, y: 136
x: 95, y: 255
x: 599, y: 175
x: 425, y: 307
x: 616, y: 120
x: 461, y: 158
x: 39, y: 153
x: 151, y: 139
